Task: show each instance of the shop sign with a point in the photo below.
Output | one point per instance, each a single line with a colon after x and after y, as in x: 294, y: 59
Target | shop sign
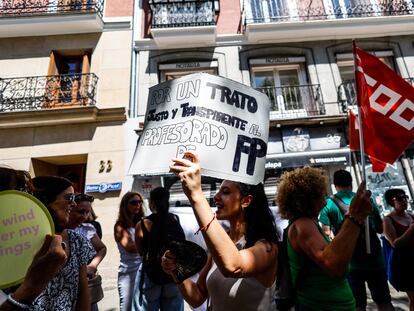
x: 190, y: 65
x: 308, y: 159
x: 225, y: 122
x: 300, y: 139
x: 277, y: 60
x: 296, y: 140
x: 104, y: 187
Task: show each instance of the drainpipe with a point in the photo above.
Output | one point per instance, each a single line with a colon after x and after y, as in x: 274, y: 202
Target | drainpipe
x: 134, y: 64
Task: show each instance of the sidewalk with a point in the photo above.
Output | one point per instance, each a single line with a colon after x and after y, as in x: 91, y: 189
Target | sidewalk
x: 399, y: 300
x: 111, y: 300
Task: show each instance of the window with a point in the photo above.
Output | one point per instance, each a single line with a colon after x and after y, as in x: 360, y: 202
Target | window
x: 266, y: 10
x: 345, y: 62
x: 285, y: 85
x: 347, y: 72
x: 67, y: 82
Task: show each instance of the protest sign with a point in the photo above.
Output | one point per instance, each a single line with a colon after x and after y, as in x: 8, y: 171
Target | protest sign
x: 24, y: 222
x: 225, y: 122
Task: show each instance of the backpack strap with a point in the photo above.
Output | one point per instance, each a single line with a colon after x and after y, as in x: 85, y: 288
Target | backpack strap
x: 343, y: 207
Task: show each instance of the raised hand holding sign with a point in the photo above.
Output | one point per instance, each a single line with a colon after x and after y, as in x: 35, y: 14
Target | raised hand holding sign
x: 225, y: 122
x: 24, y: 222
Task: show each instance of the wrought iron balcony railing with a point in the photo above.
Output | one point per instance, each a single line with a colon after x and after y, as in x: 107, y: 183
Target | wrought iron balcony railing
x: 347, y: 93
x: 176, y: 13
x: 281, y: 11
x: 9, y: 8
x: 295, y: 101
x: 45, y: 92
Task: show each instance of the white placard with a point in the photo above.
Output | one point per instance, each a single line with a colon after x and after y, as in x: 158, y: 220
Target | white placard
x: 225, y: 122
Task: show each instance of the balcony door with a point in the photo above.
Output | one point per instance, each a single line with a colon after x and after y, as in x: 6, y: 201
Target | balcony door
x: 354, y: 8
x: 267, y: 10
x: 67, y: 83
x: 285, y: 86
x: 70, y: 78
x: 347, y: 90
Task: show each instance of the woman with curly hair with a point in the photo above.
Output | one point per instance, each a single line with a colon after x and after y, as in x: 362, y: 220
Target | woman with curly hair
x: 241, y: 270
x: 130, y: 213
x: 321, y: 264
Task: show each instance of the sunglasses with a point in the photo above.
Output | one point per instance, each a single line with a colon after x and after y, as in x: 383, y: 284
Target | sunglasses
x: 81, y: 197
x: 135, y: 202
x: 70, y: 197
x: 401, y: 198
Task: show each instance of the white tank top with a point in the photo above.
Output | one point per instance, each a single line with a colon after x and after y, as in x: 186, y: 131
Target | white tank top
x: 244, y: 294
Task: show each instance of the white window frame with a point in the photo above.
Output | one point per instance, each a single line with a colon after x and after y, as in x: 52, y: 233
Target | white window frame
x: 289, y: 4
x: 282, y: 111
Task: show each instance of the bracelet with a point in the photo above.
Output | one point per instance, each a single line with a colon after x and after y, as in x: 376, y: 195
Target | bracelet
x: 354, y: 220
x: 16, y: 303
x: 205, y: 228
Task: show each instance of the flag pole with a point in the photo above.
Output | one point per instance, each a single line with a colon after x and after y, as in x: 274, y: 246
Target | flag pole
x: 361, y: 143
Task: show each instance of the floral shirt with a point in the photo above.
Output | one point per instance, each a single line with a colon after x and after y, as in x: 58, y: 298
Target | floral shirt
x: 62, y: 291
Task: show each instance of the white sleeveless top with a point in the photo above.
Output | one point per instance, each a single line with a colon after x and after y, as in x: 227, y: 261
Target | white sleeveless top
x: 244, y: 294
x: 129, y: 262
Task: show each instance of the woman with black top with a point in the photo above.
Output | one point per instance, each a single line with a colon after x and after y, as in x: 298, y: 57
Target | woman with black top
x: 153, y: 288
x: 399, y: 231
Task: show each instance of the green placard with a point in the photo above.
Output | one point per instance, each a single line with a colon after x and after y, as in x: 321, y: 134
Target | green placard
x: 24, y: 222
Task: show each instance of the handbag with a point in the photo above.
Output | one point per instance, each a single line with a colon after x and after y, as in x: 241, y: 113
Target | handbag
x: 95, y: 288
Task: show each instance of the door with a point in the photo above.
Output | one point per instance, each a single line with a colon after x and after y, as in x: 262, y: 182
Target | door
x: 311, y: 9
x: 286, y: 88
x: 67, y: 84
x: 267, y: 10
x: 70, y: 75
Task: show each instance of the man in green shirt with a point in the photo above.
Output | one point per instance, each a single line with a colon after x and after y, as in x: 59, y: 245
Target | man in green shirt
x: 364, y: 267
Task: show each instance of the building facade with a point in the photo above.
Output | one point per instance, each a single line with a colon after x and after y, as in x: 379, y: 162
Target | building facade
x: 299, y: 53
x: 64, y: 98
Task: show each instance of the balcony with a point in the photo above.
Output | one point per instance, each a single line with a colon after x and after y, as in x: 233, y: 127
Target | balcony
x: 294, y: 101
x: 347, y: 94
x: 48, y: 100
x: 49, y: 17
x: 288, y: 21
x: 183, y: 23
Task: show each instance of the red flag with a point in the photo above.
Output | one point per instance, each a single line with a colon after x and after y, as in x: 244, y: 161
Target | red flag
x: 353, y: 132
x: 387, y: 108
x: 377, y: 165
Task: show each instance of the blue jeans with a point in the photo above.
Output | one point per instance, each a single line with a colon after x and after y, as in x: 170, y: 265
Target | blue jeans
x: 156, y: 297
x: 126, y: 282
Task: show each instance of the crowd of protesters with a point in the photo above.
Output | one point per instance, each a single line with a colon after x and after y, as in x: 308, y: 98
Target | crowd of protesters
x: 328, y: 262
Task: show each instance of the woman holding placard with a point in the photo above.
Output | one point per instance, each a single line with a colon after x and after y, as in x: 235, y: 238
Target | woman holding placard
x: 241, y: 270
x: 69, y: 289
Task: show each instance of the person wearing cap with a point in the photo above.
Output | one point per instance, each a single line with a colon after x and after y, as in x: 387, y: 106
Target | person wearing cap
x: 68, y: 290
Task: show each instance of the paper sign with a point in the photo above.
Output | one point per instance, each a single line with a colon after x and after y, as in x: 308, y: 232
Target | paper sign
x: 24, y: 222
x: 225, y: 122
